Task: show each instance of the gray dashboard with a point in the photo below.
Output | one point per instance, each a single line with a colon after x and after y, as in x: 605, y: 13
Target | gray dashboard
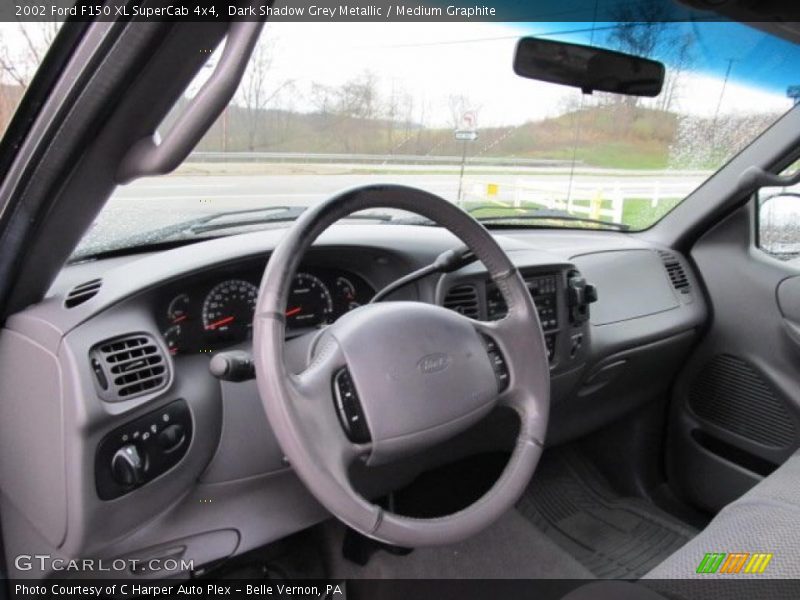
x: 225, y: 487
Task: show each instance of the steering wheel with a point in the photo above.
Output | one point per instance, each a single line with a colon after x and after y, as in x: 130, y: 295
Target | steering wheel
x: 394, y: 378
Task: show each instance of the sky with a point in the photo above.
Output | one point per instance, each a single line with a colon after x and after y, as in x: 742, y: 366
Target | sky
x: 432, y: 61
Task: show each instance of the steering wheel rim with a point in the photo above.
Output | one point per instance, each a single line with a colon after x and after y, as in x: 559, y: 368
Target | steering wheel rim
x: 301, y: 407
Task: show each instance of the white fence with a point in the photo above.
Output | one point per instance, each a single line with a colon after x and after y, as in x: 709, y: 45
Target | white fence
x: 594, y: 199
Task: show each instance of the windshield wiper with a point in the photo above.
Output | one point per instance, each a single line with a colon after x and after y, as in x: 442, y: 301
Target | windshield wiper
x: 540, y: 214
x: 242, y: 218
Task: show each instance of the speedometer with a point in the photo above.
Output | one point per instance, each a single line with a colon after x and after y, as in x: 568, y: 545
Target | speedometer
x: 310, y: 302
x: 228, y: 309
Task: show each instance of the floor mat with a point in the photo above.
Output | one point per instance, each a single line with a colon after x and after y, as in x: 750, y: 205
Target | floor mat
x: 612, y: 536
x: 511, y: 548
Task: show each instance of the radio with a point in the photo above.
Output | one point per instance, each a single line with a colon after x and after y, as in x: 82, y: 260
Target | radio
x: 543, y: 290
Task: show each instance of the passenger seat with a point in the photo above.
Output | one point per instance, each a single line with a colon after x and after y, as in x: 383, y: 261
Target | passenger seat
x: 764, y: 520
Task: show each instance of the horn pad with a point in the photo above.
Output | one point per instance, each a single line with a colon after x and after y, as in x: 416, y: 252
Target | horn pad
x: 421, y: 373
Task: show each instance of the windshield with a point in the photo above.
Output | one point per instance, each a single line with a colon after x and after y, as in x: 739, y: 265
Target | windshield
x: 22, y: 49
x: 325, y: 107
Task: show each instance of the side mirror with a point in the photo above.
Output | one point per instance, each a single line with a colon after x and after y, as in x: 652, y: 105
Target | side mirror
x: 588, y: 68
x: 779, y: 225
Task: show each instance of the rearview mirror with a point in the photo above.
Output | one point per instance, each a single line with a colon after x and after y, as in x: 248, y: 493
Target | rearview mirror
x: 588, y: 68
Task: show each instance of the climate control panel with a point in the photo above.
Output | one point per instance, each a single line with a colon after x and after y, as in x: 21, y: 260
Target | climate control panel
x: 142, y: 449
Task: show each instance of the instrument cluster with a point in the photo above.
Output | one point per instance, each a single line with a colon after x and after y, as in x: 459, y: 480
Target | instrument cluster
x: 211, y: 314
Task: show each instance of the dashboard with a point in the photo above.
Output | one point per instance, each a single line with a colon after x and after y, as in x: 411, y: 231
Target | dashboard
x: 140, y: 450
x: 205, y: 313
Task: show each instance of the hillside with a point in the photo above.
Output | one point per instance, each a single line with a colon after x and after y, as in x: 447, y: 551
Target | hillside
x: 643, y: 142
x: 615, y: 135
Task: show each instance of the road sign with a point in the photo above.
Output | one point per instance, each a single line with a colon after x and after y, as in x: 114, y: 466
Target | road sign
x: 466, y: 135
x: 469, y: 120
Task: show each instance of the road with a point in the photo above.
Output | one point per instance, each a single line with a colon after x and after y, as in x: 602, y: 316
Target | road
x: 151, y: 203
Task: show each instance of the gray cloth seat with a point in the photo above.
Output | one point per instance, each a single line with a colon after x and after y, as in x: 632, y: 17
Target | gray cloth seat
x: 764, y: 520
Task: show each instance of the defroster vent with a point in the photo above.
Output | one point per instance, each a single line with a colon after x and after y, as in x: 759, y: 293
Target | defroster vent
x: 675, y: 271
x: 129, y: 366
x: 463, y: 299
x: 83, y: 292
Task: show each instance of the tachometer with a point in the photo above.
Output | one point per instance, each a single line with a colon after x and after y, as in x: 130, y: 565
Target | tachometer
x: 310, y: 302
x: 228, y: 309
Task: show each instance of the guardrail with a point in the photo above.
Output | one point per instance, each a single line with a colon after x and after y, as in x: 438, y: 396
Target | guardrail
x: 379, y: 159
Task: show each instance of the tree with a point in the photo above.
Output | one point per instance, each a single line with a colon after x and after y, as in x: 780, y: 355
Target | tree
x: 640, y: 27
x: 346, y: 109
x: 257, y: 91
x: 644, y: 29
x: 682, y: 58
x: 391, y: 111
x: 22, y: 49
x: 458, y: 104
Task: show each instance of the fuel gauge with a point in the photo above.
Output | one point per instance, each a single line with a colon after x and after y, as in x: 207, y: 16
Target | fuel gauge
x: 346, y: 293
x: 178, y: 309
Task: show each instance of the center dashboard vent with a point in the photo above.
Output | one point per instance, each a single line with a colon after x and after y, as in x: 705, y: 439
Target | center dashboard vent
x: 128, y: 367
x: 463, y: 299
x: 83, y: 292
x: 675, y: 271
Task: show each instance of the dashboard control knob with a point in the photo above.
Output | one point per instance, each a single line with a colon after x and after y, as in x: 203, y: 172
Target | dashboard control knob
x: 234, y: 365
x: 171, y: 437
x: 127, y: 465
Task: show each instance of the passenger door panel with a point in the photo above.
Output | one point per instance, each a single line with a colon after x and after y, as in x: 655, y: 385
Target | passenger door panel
x: 735, y: 414
x: 789, y: 304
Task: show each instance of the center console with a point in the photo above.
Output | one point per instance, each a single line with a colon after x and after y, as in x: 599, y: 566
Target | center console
x: 562, y: 298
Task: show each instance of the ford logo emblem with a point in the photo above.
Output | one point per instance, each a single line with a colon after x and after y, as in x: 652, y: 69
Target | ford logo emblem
x: 433, y: 363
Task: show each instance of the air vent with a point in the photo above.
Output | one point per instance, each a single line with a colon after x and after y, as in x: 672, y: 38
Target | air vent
x: 676, y: 272
x: 463, y: 299
x: 83, y: 292
x: 128, y: 367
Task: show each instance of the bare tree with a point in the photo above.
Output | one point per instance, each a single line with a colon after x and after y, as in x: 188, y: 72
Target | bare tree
x: 458, y: 104
x: 681, y: 57
x: 358, y: 97
x: 322, y: 98
x: 22, y: 49
x: 257, y: 90
x: 348, y: 108
x: 391, y: 112
x: 422, y: 116
x: 640, y: 28
x: 644, y: 29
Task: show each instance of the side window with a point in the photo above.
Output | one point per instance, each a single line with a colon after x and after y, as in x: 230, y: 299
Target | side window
x: 779, y: 220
